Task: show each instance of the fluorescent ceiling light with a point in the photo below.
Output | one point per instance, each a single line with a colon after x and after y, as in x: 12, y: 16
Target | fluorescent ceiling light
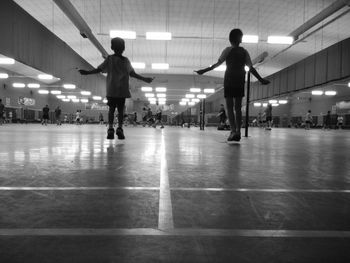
x: 4, y: 75
x: 182, y: 103
x: 158, y: 35
x: 280, y: 40
x: 84, y: 100
x: 152, y: 102
x: 146, y: 89
x: 96, y: 97
x: 209, y: 90
x: 272, y: 101
x: 257, y: 104
x: 60, y: 97
x: 246, y: 68
x: 85, y: 93
x: 71, y: 97
x: 190, y: 96
x: 149, y: 95
x: 330, y: 93
x: 220, y: 68
x: 283, y: 101
x: 7, y: 61
x: 105, y: 101
x: 264, y: 104
x: 191, y: 103
x: 349, y: 84
x: 18, y: 85
x: 161, y: 89
x: 161, y: 95
x: 317, y: 92
x: 69, y: 86
x: 161, y: 99
x: 162, y: 66
x: 196, y: 100
x: 201, y: 96
x: 185, y: 100
x: 274, y: 104
x: 76, y: 100
x: 195, y: 90
x: 122, y: 34
x: 33, y: 85
x: 161, y: 102
x: 66, y: 100
x: 250, y: 39
x: 45, y: 76
x: 55, y: 92
x: 138, y: 65
x: 43, y: 91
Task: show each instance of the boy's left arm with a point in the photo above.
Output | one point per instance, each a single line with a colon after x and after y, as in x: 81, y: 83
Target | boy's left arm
x: 137, y: 76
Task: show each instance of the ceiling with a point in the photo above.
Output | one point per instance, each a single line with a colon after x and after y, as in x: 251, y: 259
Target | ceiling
x: 200, y: 29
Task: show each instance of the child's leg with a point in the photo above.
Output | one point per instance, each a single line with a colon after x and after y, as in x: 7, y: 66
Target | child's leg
x: 111, y: 116
x: 230, y: 113
x: 120, y: 107
x: 238, y: 110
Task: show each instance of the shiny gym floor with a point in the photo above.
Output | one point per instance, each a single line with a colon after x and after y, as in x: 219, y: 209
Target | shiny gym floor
x: 173, y: 195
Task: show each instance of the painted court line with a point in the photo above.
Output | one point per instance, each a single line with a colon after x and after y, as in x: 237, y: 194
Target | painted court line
x: 10, y: 188
x: 165, y: 218
x: 261, y: 190
x: 173, y: 232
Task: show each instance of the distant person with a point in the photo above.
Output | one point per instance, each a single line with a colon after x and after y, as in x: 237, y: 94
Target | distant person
x: 340, y: 120
x: 78, y: 117
x: 158, y: 116
x: 58, y: 112
x: 100, y: 118
x: 135, y: 119
x: 118, y: 69
x: 268, y: 117
x: 236, y: 59
x: 308, y: 120
x: 222, y: 115
x: 46, y: 111
x: 2, y: 111
x: 327, y: 121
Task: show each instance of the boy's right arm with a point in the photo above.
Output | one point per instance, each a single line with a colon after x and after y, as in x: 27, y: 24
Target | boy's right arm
x: 88, y: 72
x: 137, y: 76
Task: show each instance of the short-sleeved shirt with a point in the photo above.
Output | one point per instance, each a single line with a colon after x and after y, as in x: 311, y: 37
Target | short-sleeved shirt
x: 308, y: 117
x: 46, y: 111
x: 58, y: 112
x: 118, y: 69
x: 236, y: 58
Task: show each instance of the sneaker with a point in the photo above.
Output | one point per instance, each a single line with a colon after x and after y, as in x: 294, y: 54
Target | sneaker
x: 110, y: 134
x: 230, y: 138
x: 236, y: 137
x: 120, y: 134
x: 162, y: 127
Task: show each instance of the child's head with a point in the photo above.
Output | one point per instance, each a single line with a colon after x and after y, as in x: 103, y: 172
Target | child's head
x: 236, y: 36
x: 118, y: 45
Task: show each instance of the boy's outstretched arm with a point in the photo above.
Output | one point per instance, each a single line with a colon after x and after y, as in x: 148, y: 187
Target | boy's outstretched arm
x: 137, y: 76
x: 202, y: 71
x: 257, y: 75
x: 88, y: 72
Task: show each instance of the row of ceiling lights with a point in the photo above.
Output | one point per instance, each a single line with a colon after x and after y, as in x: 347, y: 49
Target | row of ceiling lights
x: 274, y: 103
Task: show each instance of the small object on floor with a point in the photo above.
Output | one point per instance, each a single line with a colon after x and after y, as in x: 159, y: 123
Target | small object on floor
x: 162, y: 127
x: 120, y: 133
x: 110, y: 134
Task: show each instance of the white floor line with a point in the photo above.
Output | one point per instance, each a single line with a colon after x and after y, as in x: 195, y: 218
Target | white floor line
x: 165, y: 218
x: 278, y: 233
x: 260, y: 190
x: 15, y: 188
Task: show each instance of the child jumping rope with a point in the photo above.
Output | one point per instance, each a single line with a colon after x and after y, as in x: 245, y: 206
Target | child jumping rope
x: 118, y: 69
x: 236, y: 58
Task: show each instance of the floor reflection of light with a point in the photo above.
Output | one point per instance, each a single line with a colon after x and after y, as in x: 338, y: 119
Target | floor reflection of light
x: 19, y: 156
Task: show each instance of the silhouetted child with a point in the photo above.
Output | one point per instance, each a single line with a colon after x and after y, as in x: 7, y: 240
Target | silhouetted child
x: 308, y: 119
x: 118, y: 69
x: 236, y: 58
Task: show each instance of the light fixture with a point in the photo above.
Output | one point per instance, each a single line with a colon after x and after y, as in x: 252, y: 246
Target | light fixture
x: 264, y: 104
x: 185, y: 100
x: 149, y: 95
x: 191, y: 103
x: 158, y: 35
x: 138, y: 65
x: 209, y: 90
x: 330, y: 92
x: 69, y: 86
x: 349, y: 84
x: 195, y: 90
x: 18, y: 85
x: 4, y: 75
x: 45, y: 76
x: 161, y: 102
x: 33, y: 85
x: 152, y: 102
x: 280, y: 40
x: 317, y: 92
x: 190, y: 96
x: 161, y: 95
x: 146, y: 89
x: 66, y: 100
x: 122, y: 34
x: 43, y: 91
x: 55, y: 92
x: 161, y: 99
x: 84, y: 100
x: 160, y: 89
x: 274, y: 104
x: 71, y: 97
x: 7, y: 61
x: 246, y: 68
x: 60, y: 97
x: 76, y: 100
x: 182, y: 103
x: 196, y: 100
x: 250, y: 39
x: 257, y: 104
x: 85, y: 93
x: 96, y: 97
x: 162, y: 66
x: 220, y: 68
x: 104, y: 100
x: 283, y: 101
x: 201, y: 96
x: 272, y: 101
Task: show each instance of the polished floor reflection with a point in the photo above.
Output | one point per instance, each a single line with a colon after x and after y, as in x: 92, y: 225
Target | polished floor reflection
x: 173, y: 195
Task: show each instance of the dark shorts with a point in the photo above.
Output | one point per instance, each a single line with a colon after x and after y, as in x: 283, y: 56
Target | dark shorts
x: 45, y: 117
x: 234, y: 85
x: 159, y: 116
x: 308, y: 122
x: 269, y: 118
x: 118, y: 103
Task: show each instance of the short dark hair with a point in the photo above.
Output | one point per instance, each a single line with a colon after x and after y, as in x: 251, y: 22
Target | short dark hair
x: 236, y: 36
x: 118, y: 44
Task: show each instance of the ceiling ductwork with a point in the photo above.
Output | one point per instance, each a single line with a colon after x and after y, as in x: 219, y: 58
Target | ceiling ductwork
x: 72, y: 13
